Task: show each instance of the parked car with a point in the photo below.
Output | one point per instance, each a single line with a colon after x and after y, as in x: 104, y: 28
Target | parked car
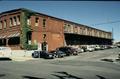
x: 66, y: 50
x: 47, y: 55
x: 118, y: 46
x: 118, y: 56
x: 108, y: 46
x: 84, y: 49
x: 36, y: 54
x: 43, y: 54
x: 80, y: 50
x: 97, y: 47
x: 102, y: 47
x: 90, y: 48
x: 113, y: 46
x: 58, y: 53
x: 74, y: 51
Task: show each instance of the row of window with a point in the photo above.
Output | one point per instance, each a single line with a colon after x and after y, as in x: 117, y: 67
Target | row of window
x: 85, y: 31
x: 13, y: 21
x: 37, y: 21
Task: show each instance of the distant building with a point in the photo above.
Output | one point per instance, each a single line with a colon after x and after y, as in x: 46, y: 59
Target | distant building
x: 26, y: 29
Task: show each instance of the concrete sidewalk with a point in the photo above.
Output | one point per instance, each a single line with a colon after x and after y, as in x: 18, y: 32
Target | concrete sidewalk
x: 21, y: 55
x: 22, y: 58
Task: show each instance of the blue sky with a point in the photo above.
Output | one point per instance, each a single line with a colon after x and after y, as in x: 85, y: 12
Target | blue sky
x: 83, y: 12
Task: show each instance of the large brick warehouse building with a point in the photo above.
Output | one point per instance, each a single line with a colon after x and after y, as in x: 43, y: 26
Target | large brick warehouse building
x: 26, y: 29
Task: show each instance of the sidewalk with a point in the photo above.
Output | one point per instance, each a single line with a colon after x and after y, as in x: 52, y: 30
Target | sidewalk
x: 21, y: 58
x: 17, y: 55
x: 21, y: 55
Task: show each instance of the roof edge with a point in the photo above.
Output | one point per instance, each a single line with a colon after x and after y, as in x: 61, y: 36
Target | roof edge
x: 25, y: 9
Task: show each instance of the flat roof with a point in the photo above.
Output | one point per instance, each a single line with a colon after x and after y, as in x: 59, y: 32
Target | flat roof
x: 24, y: 9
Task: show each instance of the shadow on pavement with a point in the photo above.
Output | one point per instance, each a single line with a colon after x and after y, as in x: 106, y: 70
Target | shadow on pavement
x: 100, y: 77
x: 2, y: 75
x: 108, y: 60
x: 30, y: 77
x: 64, y: 75
x: 5, y: 59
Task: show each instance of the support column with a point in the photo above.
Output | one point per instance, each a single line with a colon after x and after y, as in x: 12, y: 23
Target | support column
x: 7, y: 39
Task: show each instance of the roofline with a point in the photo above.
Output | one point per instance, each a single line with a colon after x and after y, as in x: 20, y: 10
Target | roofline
x: 72, y: 22
x: 24, y: 9
x: 10, y: 11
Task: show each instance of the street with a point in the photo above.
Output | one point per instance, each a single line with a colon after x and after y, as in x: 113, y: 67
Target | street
x: 87, y: 65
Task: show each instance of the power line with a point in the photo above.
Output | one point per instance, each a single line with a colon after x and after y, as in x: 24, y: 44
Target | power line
x: 106, y: 23
x: 110, y: 22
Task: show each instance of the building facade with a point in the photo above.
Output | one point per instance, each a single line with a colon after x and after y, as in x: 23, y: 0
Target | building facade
x: 26, y: 29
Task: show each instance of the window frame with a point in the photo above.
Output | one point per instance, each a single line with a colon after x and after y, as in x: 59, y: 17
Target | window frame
x: 18, y: 19
x: 36, y: 21
x: 44, y: 22
x: 1, y: 25
x: 11, y: 21
x: 14, y: 21
x: 5, y: 24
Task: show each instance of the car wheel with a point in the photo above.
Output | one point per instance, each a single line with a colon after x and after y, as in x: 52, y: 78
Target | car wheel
x: 54, y: 57
x: 35, y: 55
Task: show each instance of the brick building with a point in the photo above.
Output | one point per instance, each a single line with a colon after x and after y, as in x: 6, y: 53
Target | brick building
x: 26, y: 29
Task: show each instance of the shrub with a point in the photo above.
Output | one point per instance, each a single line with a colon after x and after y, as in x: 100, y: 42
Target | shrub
x: 32, y: 47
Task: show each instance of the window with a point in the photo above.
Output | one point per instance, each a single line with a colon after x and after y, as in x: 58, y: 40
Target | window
x: 44, y: 36
x: 28, y: 21
x: 75, y: 29
x: 0, y: 24
x: 18, y: 19
x: 81, y: 30
x: 14, y: 21
x: 29, y: 37
x: 35, y: 42
x: 11, y: 22
x: 65, y: 27
x: 68, y: 27
x: 5, y: 23
x: 44, y: 22
x: 36, y: 21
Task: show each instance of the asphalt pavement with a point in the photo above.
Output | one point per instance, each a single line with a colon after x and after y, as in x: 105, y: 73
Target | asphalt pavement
x: 86, y: 65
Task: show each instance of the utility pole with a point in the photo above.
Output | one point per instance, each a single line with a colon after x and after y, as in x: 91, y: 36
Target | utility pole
x: 112, y: 35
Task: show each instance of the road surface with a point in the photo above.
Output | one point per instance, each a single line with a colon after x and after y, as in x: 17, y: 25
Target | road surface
x: 87, y: 65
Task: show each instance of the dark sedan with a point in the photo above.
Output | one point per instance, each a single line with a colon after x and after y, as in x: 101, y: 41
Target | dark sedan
x: 66, y: 50
x: 43, y: 54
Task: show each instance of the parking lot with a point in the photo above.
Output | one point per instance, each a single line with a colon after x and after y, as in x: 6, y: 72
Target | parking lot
x: 86, y: 65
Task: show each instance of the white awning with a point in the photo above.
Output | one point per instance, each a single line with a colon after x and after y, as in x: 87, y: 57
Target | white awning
x: 9, y: 35
x: 2, y: 36
x: 14, y: 35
